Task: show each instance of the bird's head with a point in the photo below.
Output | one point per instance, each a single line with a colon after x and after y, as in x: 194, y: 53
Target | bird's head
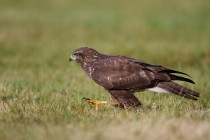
x: 85, y: 55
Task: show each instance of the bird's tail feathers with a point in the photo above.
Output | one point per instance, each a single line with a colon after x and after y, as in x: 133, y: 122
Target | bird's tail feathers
x: 177, y: 89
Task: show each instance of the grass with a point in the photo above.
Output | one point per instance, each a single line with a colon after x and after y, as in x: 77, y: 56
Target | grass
x: 40, y: 91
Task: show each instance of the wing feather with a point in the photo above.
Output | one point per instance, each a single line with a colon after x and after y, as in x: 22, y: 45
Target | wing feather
x: 121, y: 73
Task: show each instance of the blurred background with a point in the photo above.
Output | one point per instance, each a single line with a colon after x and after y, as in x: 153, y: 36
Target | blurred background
x: 38, y: 32
x: 38, y: 36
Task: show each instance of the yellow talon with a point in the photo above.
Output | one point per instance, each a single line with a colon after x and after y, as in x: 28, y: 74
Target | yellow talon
x: 95, y: 102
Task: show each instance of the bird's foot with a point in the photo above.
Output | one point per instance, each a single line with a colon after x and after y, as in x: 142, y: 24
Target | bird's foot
x: 94, y: 102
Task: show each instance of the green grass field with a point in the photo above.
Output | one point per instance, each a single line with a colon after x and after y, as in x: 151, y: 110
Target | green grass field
x: 40, y: 91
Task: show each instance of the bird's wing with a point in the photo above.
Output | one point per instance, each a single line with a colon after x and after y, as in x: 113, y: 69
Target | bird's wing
x: 126, y: 73
x: 161, y: 69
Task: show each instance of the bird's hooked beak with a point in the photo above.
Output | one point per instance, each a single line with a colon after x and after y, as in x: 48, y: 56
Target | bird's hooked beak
x: 72, y: 57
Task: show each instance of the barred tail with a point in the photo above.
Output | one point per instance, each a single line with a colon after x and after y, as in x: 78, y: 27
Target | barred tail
x: 179, y: 90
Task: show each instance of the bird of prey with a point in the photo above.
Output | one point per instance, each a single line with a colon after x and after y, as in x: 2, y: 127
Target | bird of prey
x: 122, y: 76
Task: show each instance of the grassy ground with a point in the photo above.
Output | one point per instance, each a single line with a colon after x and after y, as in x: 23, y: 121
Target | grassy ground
x: 40, y: 91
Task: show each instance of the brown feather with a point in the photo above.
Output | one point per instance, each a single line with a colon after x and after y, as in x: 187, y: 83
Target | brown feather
x: 119, y: 73
x: 179, y: 90
x: 125, y: 97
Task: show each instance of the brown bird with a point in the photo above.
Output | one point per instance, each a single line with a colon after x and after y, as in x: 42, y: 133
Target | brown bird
x: 122, y: 76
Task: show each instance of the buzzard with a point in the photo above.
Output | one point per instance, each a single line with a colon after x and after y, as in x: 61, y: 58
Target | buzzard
x: 122, y: 76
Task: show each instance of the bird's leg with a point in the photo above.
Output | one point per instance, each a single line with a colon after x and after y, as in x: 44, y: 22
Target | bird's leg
x: 95, y: 102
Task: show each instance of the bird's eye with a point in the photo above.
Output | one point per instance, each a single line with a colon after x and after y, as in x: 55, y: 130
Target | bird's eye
x: 76, y: 54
